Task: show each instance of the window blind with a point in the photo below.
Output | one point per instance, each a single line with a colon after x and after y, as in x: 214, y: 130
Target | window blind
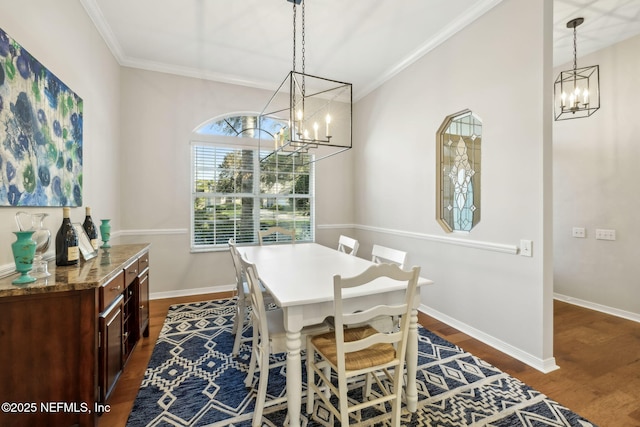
x: 236, y: 192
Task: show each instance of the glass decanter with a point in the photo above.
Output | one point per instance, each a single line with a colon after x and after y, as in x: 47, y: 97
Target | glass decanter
x: 42, y: 237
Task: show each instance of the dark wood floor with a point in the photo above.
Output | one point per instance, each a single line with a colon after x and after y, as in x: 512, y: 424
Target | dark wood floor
x: 598, y: 355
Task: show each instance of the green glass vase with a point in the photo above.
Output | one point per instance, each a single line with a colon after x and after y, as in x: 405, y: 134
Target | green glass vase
x: 105, y: 233
x: 24, y: 249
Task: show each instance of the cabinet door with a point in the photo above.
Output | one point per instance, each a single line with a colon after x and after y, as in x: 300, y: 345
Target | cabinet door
x: 143, y: 303
x: 111, y: 347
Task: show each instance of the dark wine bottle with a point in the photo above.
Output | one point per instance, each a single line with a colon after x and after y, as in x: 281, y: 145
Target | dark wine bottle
x: 91, y: 229
x: 67, y: 251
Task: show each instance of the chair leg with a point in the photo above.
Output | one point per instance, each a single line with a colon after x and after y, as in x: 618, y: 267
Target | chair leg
x: 343, y: 401
x: 396, y: 404
x: 327, y: 373
x: 263, y: 365
x: 252, y: 363
x: 238, y: 325
x: 311, y: 377
x: 366, y: 392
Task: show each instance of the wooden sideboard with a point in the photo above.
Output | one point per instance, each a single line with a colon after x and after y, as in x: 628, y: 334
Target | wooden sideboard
x: 64, y: 340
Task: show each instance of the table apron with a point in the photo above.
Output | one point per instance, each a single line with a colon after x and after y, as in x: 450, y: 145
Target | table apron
x: 298, y: 316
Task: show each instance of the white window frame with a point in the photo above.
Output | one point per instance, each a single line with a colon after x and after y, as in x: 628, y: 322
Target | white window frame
x: 222, y: 141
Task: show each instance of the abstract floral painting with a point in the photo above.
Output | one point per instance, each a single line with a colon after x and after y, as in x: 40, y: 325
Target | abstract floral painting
x: 40, y: 133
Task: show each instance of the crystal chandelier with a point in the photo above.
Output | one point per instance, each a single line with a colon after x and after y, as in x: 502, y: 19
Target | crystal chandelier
x: 316, y: 111
x: 576, y: 92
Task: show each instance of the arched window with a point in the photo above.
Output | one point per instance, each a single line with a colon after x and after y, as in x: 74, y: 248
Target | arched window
x: 238, y: 190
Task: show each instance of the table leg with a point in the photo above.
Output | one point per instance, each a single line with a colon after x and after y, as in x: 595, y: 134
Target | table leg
x: 412, y: 362
x: 294, y: 378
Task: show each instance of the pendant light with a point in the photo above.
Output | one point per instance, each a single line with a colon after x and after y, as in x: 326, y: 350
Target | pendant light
x: 576, y: 92
x: 315, y: 111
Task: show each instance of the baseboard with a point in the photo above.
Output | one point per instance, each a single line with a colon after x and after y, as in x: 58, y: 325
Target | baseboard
x: 542, y: 365
x: 191, y: 292
x: 598, y: 307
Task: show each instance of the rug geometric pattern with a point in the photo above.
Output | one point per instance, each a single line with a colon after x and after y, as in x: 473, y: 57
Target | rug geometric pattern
x: 192, y: 380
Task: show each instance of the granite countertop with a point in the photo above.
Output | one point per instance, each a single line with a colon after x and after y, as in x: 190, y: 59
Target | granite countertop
x: 86, y: 275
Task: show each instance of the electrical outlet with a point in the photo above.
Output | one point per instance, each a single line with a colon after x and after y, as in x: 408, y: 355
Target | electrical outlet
x: 526, y: 248
x: 579, y: 232
x: 605, y: 234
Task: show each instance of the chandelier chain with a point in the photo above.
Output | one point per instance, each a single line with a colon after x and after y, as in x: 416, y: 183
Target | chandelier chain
x: 575, y: 49
x: 303, y: 34
x: 294, y: 35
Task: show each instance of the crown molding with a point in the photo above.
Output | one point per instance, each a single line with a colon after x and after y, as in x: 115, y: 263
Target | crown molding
x: 96, y: 16
x: 475, y: 12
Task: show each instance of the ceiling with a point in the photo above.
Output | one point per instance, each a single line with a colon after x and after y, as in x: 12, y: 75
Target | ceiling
x: 364, y: 42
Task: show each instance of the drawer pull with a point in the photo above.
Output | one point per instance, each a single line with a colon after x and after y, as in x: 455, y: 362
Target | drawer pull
x: 135, y: 271
x: 117, y: 288
x: 141, y: 307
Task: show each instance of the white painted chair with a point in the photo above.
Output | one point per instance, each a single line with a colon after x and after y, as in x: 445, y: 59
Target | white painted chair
x: 269, y: 337
x: 244, y: 299
x: 382, y: 254
x: 282, y: 235
x: 348, y: 245
x: 354, y: 352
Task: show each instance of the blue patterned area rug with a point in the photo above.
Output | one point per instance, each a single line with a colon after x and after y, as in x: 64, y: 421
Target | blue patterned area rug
x: 192, y: 380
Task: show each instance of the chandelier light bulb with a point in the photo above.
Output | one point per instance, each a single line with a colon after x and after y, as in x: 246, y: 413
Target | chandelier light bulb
x: 328, y: 120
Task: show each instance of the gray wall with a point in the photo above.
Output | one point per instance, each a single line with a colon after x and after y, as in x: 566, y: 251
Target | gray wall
x: 159, y: 113
x: 62, y: 37
x: 595, y: 180
x: 500, y: 68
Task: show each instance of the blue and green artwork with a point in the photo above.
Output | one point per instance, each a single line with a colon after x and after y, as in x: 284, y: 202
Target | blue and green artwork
x: 40, y: 133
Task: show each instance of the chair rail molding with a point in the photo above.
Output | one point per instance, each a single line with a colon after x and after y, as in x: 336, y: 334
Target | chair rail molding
x: 154, y: 231
x: 477, y: 244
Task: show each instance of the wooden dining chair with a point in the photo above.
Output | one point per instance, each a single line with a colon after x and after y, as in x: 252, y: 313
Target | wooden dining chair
x: 281, y: 235
x: 382, y: 254
x: 362, y: 351
x: 269, y: 337
x: 244, y: 300
x: 348, y: 245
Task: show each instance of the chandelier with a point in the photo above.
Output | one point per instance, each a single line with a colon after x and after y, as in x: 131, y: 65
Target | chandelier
x: 315, y: 112
x: 576, y: 92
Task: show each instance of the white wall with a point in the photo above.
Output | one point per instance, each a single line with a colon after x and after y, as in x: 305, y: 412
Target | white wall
x: 159, y: 112
x: 62, y: 37
x: 595, y: 181
x: 499, y: 67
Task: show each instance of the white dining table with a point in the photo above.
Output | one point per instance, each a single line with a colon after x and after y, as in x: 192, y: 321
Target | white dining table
x: 300, y: 279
